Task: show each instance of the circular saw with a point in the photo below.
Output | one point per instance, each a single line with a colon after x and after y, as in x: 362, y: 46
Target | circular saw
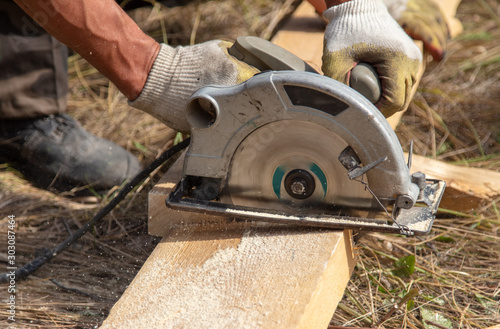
x: 296, y: 147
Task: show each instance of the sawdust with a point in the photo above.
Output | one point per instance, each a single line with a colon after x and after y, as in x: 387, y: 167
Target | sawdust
x: 215, y: 292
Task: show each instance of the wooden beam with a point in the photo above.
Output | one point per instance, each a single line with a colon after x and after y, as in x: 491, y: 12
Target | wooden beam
x: 163, y: 221
x: 249, y: 278
x: 220, y: 276
x: 467, y: 188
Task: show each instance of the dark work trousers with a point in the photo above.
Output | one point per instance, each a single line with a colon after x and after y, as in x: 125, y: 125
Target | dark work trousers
x: 33, y: 67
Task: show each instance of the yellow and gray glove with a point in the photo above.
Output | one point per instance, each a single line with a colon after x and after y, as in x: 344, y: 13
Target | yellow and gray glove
x: 178, y: 72
x: 363, y: 31
x: 422, y: 20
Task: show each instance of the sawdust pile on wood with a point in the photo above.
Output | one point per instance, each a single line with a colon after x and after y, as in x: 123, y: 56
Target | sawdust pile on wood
x: 455, y: 117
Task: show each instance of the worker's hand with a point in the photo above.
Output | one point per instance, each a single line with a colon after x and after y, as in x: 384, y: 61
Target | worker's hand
x: 178, y: 72
x: 422, y: 20
x: 362, y: 31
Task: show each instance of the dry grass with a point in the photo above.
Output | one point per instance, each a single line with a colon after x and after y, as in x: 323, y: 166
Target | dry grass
x: 455, y: 117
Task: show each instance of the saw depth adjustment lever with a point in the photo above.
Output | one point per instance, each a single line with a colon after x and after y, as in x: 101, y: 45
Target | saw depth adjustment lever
x: 265, y: 56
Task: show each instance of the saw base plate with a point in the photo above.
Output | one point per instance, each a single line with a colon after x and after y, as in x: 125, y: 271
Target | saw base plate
x: 415, y: 221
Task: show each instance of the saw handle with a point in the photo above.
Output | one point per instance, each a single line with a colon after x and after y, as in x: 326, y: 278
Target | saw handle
x: 364, y: 79
x: 265, y: 55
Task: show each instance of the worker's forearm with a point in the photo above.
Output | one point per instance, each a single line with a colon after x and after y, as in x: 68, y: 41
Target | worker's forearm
x: 331, y: 3
x: 102, y: 33
x: 322, y: 5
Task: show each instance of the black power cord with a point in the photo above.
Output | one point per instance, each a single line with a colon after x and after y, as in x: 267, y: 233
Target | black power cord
x: 26, y: 270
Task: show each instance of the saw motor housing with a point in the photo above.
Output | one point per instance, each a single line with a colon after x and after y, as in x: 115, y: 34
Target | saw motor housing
x: 222, y: 117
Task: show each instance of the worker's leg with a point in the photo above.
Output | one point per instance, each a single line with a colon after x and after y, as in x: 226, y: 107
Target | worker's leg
x: 33, y: 67
x: 48, y: 147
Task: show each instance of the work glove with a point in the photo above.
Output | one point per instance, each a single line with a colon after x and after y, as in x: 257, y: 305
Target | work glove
x: 422, y: 20
x: 363, y: 31
x: 178, y: 72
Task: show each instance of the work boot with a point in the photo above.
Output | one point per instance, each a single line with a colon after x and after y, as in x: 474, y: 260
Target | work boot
x: 55, y: 152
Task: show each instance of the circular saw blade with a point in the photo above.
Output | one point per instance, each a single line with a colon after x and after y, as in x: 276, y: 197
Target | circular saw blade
x: 292, y: 166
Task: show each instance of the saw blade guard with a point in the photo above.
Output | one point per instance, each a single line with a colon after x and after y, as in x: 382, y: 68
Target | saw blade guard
x: 223, y: 117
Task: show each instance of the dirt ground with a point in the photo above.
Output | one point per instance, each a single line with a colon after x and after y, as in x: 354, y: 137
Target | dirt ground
x: 455, y: 117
